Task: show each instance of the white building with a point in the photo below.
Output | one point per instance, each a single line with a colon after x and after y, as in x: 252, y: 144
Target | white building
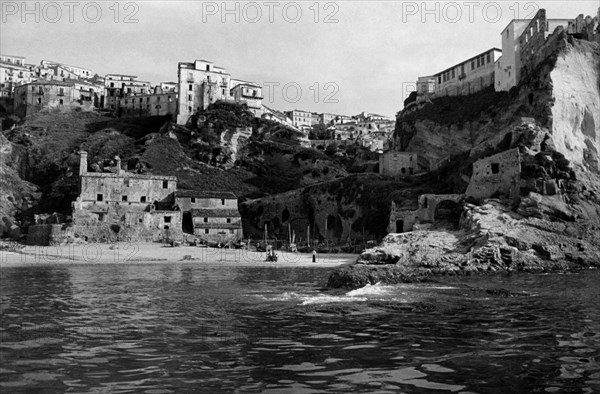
x: 13, y: 72
x: 201, y: 83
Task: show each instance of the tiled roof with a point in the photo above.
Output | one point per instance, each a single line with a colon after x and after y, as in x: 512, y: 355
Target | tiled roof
x: 216, y: 213
x: 205, y: 194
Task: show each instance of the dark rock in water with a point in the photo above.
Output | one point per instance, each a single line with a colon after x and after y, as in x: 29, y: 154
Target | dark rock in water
x: 359, y: 275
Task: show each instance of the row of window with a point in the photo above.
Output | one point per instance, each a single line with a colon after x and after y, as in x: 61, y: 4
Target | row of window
x: 147, y: 99
x: 480, y: 61
x: 207, y: 231
x: 124, y: 198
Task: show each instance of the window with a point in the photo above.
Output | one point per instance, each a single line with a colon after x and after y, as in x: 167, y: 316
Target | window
x: 189, y: 97
x: 403, y: 170
x: 126, y: 182
x: 478, y: 62
x: 190, y: 87
x: 231, y: 231
x: 99, y: 197
x: 222, y: 202
x: 165, y: 184
x: 410, y: 170
x: 167, y: 219
x: 193, y: 200
x: 128, y: 90
x: 228, y: 220
x: 208, y: 67
x: 472, y: 64
x: 143, y: 199
x: 453, y: 75
x: 205, y: 220
x: 60, y: 101
x: 205, y: 231
x: 489, y: 58
x: 495, y: 168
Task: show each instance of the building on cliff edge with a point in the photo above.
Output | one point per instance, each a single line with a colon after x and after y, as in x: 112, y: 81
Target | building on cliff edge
x: 201, y: 83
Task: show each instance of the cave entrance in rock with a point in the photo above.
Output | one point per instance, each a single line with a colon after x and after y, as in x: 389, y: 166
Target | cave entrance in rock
x: 399, y: 226
x: 447, y: 214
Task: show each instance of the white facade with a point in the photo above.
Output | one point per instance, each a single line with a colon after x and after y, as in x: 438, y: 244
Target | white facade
x: 508, y: 67
x: 13, y: 72
x: 80, y: 72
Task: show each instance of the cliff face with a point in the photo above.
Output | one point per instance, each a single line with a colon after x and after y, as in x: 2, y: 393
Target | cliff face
x: 17, y: 194
x: 554, y: 222
x: 575, y: 122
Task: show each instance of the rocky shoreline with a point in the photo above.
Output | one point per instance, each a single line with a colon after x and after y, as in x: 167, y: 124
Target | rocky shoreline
x: 492, y: 239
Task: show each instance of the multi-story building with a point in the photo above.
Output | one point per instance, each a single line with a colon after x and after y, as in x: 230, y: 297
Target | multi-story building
x: 466, y: 77
x: 50, y: 95
x: 300, y: 118
x: 326, y: 118
x: 212, y: 216
x: 250, y: 94
x: 519, y: 39
x: 469, y: 76
x: 508, y: 67
x: 168, y: 87
x: 13, y: 72
x: 394, y: 163
x: 136, y: 206
x: 201, y: 83
x: 155, y: 104
x: 315, y: 119
x: 119, y: 86
x: 277, y: 116
x: 73, y: 71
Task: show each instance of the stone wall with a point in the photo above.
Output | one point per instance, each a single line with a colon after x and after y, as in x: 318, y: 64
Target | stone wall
x: 393, y: 163
x: 497, y: 174
x: 143, y: 189
x: 426, y: 213
x: 56, y: 234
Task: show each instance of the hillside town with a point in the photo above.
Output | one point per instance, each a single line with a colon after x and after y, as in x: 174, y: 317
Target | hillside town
x: 152, y: 208
x: 168, y: 223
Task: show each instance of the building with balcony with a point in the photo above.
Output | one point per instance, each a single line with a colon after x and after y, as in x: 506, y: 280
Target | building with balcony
x: 250, y: 94
x: 119, y: 86
x: 51, y: 95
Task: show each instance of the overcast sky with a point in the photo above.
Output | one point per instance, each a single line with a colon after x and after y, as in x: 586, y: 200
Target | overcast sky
x: 364, y: 59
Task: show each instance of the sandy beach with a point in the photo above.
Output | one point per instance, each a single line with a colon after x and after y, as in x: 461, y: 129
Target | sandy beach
x: 145, y: 253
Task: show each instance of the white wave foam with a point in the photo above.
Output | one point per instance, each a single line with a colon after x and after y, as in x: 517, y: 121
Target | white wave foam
x: 377, y: 289
x: 330, y: 299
